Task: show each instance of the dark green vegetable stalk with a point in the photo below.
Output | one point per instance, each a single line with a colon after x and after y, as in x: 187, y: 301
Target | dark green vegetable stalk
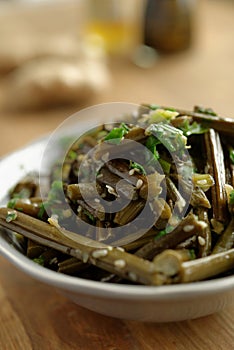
x: 170, y: 181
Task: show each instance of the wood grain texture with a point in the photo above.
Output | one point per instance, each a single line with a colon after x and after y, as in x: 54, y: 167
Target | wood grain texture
x: 33, y: 316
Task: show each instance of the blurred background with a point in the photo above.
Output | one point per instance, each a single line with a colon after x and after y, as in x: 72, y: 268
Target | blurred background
x: 59, y: 56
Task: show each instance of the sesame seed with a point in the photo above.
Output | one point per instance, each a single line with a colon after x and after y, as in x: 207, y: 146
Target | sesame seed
x: 111, y: 190
x: 99, y: 253
x: 201, y: 241
x: 53, y: 221
x: 80, y: 157
x: 53, y: 261
x: 139, y: 184
x: 96, y: 200
x: 120, y: 263
x: 203, y: 224
x: 132, y: 276
x: 120, y: 249
x: 85, y: 257
x: 188, y: 228
x: 131, y: 172
x: 151, y: 206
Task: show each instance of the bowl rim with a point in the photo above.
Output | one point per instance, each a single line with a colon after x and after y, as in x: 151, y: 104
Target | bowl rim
x: 112, y: 290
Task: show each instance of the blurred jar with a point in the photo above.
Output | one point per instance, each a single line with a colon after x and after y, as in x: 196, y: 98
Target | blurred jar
x: 116, y: 25
x: 169, y: 24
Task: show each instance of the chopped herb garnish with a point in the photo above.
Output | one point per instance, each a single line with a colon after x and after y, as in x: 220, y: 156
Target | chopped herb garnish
x: 172, y: 138
x: 116, y: 134
x: 24, y: 193
x: 231, y: 154
x: 231, y: 197
x: 160, y: 234
x: 164, y: 232
x: 11, y: 203
x: 192, y: 254
x: 203, y: 110
x: 153, y: 106
x: 166, y: 166
x: 56, y: 191
x: 55, y: 196
x: 194, y: 128
x: 151, y: 144
x: 88, y: 214
x: 41, y: 211
x: 40, y: 260
x: 140, y: 168
x: 11, y: 216
x: 72, y: 155
x: 162, y: 115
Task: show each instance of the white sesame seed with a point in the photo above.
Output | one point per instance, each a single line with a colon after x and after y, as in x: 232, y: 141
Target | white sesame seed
x: 139, y: 184
x: 85, y: 257
x: 80, y: 157
x: 151, y: 206
x: 111, y: 190
x: 99, y: 253
x: 188, y: 228
x: 96, y: 200
x: 53, y: 221
x: 110, y: 248
x: 53, y: 261
x: 26, y: 200
x: 202, y: 224
x: 132, y: 276
x: 201, y: 240
x: 131, y: 172
x: 120, y: 249
x: 120, y: 263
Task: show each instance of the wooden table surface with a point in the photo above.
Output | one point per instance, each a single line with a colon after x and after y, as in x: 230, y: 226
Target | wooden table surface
x: 35, y: 316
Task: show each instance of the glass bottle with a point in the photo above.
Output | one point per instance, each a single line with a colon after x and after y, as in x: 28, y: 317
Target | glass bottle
x: 168, y: 25
x: 114, y: 24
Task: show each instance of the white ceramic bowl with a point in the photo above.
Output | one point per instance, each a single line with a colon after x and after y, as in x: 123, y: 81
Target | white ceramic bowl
x: 144, y: 303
